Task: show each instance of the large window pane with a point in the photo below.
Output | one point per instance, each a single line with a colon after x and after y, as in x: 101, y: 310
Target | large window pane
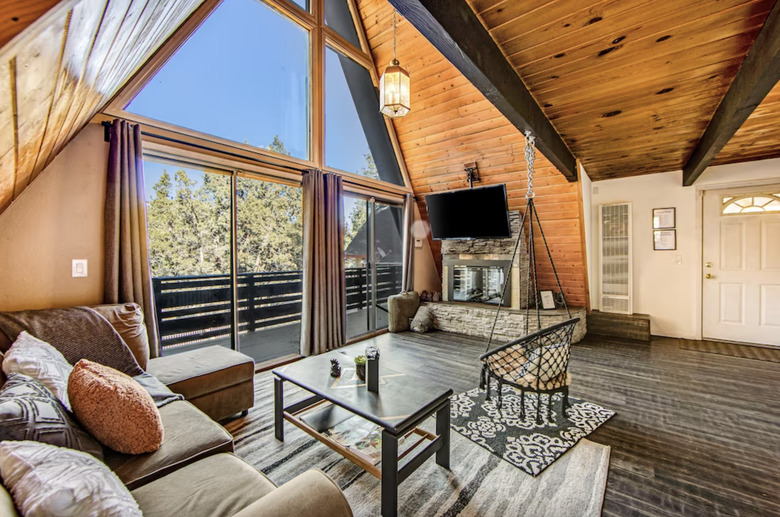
x: 188, y: 218
x: 356, y: 265
x: 270, y: 251
x: 243, y: 76
x: 372, y: 259
x: 356, y: 138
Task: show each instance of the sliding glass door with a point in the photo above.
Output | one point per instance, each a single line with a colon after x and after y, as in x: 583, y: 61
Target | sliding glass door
x: 219, y: 279
x: 372, y: 261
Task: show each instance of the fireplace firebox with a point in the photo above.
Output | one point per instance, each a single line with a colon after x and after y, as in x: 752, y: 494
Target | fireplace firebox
x: 478, y: 281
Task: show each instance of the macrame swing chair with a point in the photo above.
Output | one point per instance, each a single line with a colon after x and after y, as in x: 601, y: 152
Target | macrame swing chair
x: 538, y: 362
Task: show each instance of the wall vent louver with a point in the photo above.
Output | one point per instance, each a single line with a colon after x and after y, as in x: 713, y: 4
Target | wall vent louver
x: 615, y: 255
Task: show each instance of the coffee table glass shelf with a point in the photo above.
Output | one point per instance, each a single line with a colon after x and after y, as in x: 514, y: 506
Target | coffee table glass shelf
x: 379, y: 431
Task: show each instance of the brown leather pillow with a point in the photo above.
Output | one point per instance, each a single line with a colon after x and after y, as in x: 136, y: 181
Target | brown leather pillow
x: 128, y: 320
x: 114, y: 408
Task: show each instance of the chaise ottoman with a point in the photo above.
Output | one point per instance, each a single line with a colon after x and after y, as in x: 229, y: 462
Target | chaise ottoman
x: 215, y: 379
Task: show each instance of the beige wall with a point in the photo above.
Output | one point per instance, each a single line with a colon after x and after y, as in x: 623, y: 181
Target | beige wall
x: 426, y: 276
x: 58, y: 218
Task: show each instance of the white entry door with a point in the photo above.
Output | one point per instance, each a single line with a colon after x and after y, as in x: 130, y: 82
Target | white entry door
x: 741, y: 284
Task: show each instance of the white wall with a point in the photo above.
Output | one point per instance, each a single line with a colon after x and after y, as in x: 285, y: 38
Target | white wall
x: 666, y: 284
x: 587, y: 224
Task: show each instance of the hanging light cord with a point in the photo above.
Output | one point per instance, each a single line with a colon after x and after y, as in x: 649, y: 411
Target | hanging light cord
x: 395, y: 12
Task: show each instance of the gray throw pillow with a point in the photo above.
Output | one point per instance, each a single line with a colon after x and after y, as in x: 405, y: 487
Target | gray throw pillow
x: 423, y: 320
x: 29, y: 411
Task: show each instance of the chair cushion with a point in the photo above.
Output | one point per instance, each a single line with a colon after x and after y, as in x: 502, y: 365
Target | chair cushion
x: 189, y: 435
x: 401, y: 308
x: 128, y: 320
x: 546, y: 362
x: 218, y: 485
x: 205, y: 370
x: 29, y: 411
x: 116, y: 409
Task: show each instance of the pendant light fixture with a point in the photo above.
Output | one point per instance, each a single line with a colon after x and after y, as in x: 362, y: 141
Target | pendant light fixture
x: 394, y: 92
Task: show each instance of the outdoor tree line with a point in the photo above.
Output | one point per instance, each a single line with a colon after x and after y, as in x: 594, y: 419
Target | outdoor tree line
x: 189, y: 223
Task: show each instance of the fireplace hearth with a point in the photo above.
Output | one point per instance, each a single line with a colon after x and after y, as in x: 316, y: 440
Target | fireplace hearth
x: 479, y: 281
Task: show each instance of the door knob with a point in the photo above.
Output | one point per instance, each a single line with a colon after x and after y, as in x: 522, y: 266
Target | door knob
x: 708, y: 275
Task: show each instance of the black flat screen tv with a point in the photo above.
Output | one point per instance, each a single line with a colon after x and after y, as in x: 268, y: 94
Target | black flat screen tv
x: 475, y: 213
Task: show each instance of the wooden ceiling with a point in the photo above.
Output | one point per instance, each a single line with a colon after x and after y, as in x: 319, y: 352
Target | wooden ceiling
x: 630, y: 85
x: 759, y: 136
x: 64, y: 68
x: 451, y: 124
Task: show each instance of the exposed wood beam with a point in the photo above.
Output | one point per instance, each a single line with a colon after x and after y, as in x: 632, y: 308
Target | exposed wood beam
x: 759, y: 73
x: 455, y: 30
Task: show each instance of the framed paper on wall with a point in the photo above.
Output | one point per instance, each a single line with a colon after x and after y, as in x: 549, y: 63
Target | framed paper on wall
x: 664, y: 218
x: 664, y: 240
x: 548, y: 299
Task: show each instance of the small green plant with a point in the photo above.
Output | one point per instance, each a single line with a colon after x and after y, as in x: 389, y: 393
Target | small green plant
x: 361, y: 359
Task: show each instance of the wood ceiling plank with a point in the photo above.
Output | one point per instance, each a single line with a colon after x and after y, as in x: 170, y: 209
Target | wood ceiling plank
x: 7, y: 123
x: 35, y: 84
x: 642, y: 40
x: 758, y: 74
x: 479, y: 59
x: 17, y: 15
x: 7, y: 178
x: 82, y: 28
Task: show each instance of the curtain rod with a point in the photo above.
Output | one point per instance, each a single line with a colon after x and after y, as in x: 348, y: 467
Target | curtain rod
x: 107, y: 125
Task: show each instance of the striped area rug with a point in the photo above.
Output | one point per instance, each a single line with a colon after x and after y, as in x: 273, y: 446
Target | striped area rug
x: 478, y: 484
x: 761, y: 353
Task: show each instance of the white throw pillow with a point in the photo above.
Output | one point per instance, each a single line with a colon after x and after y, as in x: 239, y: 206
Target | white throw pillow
x: 552, y: 359
x: 38, y: 359
x: 47, y: 480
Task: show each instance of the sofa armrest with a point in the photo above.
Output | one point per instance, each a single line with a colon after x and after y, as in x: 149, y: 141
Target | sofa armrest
x: 311, y: 493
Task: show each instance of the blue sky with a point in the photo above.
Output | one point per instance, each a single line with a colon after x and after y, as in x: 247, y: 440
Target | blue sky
x: 243, y: 75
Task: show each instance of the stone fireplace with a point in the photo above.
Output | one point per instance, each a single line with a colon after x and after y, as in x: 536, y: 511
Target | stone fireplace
x: 474, y: 270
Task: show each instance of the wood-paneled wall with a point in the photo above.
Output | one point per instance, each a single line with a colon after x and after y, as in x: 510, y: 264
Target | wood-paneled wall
x: 451, y: 123
x: 64, y: 68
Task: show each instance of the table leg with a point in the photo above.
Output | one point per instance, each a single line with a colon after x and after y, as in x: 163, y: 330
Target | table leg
x: 443, y: 430
x: 279, y: 409
x: 389, y: 475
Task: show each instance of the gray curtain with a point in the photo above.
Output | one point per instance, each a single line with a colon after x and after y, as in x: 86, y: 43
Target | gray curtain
x: 407, y: 282
x: 323, y: 316
x: 128, y: 277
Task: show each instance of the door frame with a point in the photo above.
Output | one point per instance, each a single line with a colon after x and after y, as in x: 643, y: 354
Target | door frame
x: 699, y: 258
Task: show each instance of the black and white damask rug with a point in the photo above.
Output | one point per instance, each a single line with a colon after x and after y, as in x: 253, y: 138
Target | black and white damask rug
x: 529, y: 446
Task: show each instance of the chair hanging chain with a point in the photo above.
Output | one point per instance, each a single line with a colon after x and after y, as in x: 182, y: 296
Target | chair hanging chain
x: 530, y: 156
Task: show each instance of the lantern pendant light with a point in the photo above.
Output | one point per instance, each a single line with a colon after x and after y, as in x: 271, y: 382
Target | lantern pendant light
x: 394, y: 94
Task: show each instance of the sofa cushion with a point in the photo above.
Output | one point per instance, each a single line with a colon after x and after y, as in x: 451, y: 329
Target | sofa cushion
x: 48, y: 480
x: 218, y: 485
x: 38, y: 359
x: 115, y: 408
x: 189, y: 436
x: 28, y: 411
x: 128, y: 320
x: 198, y: 372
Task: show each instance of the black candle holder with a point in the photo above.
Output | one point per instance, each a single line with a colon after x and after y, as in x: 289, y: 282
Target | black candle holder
x: 372, y: 369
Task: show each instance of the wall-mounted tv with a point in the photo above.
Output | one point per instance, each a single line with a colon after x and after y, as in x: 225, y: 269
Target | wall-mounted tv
x: 475, y: 213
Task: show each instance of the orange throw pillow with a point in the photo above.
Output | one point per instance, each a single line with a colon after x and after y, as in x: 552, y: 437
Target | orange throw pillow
x: 114, y: 408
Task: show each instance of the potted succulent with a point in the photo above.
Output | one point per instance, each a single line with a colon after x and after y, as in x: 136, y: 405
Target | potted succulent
x: 360, y: 367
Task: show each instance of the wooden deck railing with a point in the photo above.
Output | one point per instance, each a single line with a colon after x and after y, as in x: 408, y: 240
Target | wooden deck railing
x: 193, y: 309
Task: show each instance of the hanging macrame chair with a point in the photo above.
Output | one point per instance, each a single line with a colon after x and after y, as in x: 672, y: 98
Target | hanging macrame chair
x: 538, y: 361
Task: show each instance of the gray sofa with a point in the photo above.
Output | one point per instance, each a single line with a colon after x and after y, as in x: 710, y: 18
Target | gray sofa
x: 194, y: 472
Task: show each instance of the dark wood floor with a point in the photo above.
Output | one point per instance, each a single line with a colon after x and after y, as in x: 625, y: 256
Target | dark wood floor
x: 695, y: 433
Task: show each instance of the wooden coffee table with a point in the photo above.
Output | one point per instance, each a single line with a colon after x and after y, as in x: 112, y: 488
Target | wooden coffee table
x: 400, y: 405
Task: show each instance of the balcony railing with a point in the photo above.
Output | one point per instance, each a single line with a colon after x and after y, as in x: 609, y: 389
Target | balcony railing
x: 195, y: 309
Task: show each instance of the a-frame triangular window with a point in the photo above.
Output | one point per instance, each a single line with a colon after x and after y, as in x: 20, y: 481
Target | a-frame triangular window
x: 246, y: 76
